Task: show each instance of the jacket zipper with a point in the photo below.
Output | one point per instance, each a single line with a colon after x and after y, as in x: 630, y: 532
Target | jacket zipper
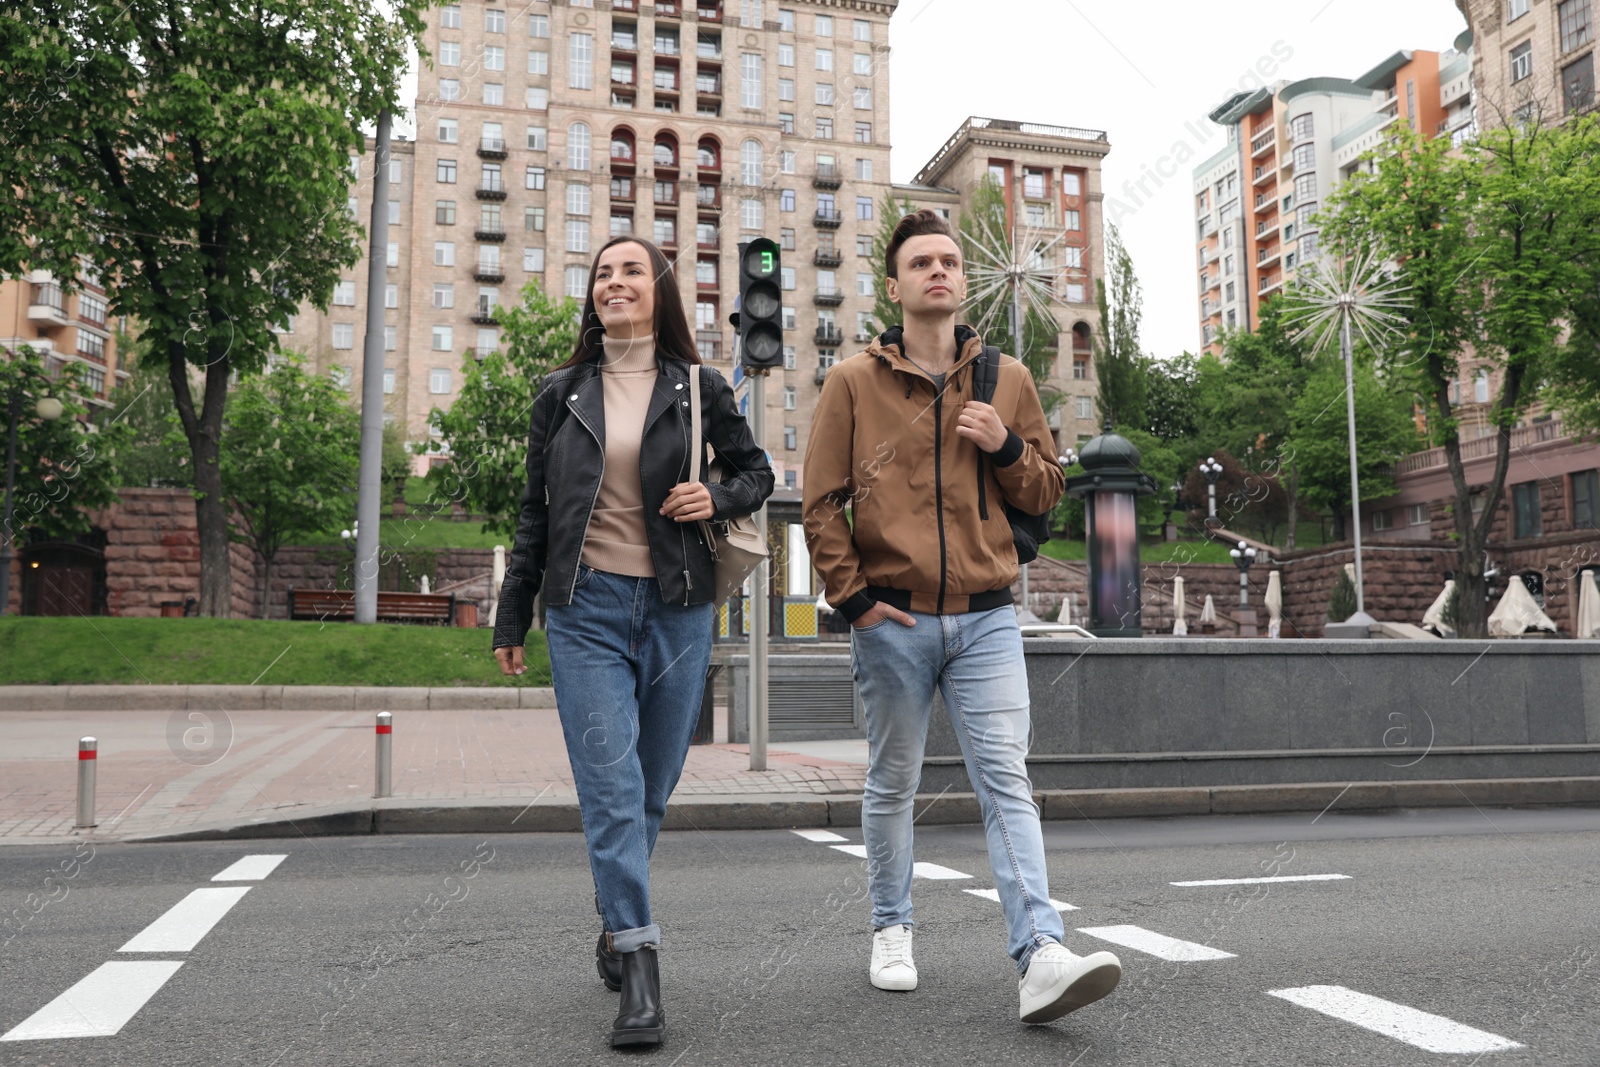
x: 590, y: 514
x: 683, y: 543
x: 938, y: 490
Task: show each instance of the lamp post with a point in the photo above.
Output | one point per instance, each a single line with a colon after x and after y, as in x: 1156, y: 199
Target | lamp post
x: 1110, y: 485
x: 1243, y: 556
x: 49, y: 409
x: 1212, y: 471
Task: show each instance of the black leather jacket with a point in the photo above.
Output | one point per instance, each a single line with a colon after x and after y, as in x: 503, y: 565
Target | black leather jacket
x: 566, y: 460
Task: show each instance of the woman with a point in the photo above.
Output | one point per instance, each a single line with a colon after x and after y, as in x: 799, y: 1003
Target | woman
x: 610, y: 529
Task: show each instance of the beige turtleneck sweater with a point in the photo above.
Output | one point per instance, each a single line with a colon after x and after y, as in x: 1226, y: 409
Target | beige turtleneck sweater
x: 616, y: 541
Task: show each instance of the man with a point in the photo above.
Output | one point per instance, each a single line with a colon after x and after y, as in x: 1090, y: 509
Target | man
x: 922, y: 568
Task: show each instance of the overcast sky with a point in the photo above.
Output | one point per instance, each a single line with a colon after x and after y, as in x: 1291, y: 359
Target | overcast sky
x: 1146, y: 73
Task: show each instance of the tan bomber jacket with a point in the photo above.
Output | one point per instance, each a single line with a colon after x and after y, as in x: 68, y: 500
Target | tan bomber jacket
x: 926, y: 529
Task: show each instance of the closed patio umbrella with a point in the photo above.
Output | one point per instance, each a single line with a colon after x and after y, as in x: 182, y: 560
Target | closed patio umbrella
x: 1180, y: 628
x: 1588, y: 607
x: 1433, y: 618
x: 1517, y: 613
x: 1208, y: 611
x: 1274, y: 602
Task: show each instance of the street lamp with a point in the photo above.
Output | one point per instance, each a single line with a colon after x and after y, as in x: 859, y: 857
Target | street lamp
x: 49, y: 409
x: 1212, y: 471
x: 1243, y: 556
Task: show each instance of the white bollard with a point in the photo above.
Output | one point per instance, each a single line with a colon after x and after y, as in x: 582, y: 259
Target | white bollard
x: 385, y: 753
x: 88, y: 757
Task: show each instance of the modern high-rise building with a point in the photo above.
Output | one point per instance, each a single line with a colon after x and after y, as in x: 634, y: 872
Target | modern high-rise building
x: 543, y: 130
x: 1532, y: 59
x: 35, y: 311
x: 1050, y: 177
x: 1289, y: 146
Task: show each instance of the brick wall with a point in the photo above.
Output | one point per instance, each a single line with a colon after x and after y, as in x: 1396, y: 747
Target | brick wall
x: 153, y: 554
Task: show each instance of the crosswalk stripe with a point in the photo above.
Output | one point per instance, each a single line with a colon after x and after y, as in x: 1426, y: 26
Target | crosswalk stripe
x: 936, y: 872
x: 818, y: 835
x: 99, y: 1005
x: 994, y: 895
x: 253, y: 868
x: 1158, y: 945
x: 1432, y: 1033
x: 187, y: 921
x: 1274, y: 878
x: 858, y: 851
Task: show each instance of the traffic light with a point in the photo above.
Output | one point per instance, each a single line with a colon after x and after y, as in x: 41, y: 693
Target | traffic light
x: 760, y: 305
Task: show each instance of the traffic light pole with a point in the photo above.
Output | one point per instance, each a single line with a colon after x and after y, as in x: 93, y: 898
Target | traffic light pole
x: 759, y: 615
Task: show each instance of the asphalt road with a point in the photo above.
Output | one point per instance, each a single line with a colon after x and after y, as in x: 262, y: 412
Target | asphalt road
x: 436, y: 950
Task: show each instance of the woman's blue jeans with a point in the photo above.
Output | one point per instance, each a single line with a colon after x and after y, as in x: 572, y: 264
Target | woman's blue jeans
x: 975, y: 659
x: 629, y: 671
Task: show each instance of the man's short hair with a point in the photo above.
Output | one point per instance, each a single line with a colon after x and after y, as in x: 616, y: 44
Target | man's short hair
x: 916, y: 224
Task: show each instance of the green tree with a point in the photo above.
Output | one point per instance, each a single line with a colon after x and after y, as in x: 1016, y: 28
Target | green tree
x: 1118, y: 362
x: 197, y: 157
x: 1319, y: 439
x: 290, y: 453
x: 1170, y: 399
x: 885, y: 313
x: 487, y: 426
x: 63, y: 470
x: 143, y: 404
x: 1496, y: 249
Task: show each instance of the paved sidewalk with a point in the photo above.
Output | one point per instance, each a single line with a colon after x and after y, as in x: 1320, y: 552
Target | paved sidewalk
x: 287, y: 765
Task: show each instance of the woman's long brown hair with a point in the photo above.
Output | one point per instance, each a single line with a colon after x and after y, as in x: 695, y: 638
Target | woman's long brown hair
x: 673, y: 339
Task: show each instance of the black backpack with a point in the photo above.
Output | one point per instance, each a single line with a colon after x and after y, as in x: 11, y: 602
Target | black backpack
x: 1028, y: 532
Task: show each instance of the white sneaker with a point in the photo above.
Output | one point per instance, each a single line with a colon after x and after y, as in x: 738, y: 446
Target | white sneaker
x: 1058, y: 982
x: 891, y: 959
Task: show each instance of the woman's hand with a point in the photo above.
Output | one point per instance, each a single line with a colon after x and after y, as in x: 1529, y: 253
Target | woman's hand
x: 510, y: 660
x: 689, y: 502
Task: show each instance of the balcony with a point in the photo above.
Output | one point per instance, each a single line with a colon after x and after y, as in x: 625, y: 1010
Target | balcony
x: 669, y: 11
x: 1212, y: 254
x: 708, y: 12
x: 708, y: 197
x: 622, y: 189
x: 489, y: 273
x: 1270, y: 283
x: 708, y: 85
x: 828, y: 298
x: 827, y: 177
x: 829, y: 336
x: 665, y: 194
x: 827, y: 220
x: 1267, y: 257
x: 494, y: 234
x: 492, y: 148
x: 1266, y: 228
x: 47, y: 306
x: 1263, y: 141
x: 483, y: 314
x: 491, y: 189
x: 827, y: 257
x: 624, y: 44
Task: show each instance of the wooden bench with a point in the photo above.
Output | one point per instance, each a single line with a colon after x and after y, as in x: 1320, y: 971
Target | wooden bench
x: 339, y: 605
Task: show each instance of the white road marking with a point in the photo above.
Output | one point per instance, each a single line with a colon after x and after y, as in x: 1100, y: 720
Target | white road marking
x: 918, y: 870
x: 1276, y: 878
x: 818, y: 835
x: 98, y: 1006
x: 1432, y: 1033
x: 934, y: 871
x: 994, y: 895
x: 187, y: 921
x: 250, y: 869
x: 1158, y: 945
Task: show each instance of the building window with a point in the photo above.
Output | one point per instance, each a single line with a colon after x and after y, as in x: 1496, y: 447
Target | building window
x: 533, y: 219
x: 863, y: 133
x: 445, y: 171
x: 1515, y: 9
x: 444, y: 295
x: 537, y: 139
x: 1586, y: 500
x: 665, y: 232
x: 785, y: 122
x: 864, y: 208
x: 578, y: 235
x: 1080, y: 369
x: 442, y: 338
x: 388, y: 379
x: 448, y: 131
x: 789, y: 403
x: 539, y: 63
x: 750, y: 214
x: 785, y: 88
x: 749, y: 80
x: 1083, y: 407
x: 861, y: 96
x: 1417, y: 514
x: 533, y: 178
x: 1305, y: 157
x: 494, y: 58
x: 1072, y: 256
x: 539, y: 26
x: 1382, y: 520
x: 825, y: 94
x: 450, y: 17
x: 790, y: 437
x: 1522, y: 61
x: 788, y: 357
x: 449, y: 89
x: 824, y: 127
x: 1301, y: 128
x: 786, y: 20
x: 1526, y: 520
x: 391, y: 295
x: 538, y: 98
x: 1074, y: 293
x: 750, y: 14
x: 580, y: 61
x: 750, y: 163
x: 391, y: 338
x: 344, y: 294
x: 786, y: 239
x: 790, y: 322
x: 344, y: 335
x: 444, y: 253
x: 449, y: 53
x: 786, y: 200
x: 1577, y: 84
x: 439, y: 380
x: 577, y: 281
x: 1573, y: 16
x: 578, y: 144
x: 494, y: 20
x: 577, y: 198
x: 444, y: 212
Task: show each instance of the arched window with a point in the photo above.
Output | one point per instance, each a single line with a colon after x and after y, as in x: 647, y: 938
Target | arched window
x: 578, y: 143
x: 709, y: 156
x: 666, y: 151
x: 1080, y: 338
x: 621, y: 146
x: 750, y: 163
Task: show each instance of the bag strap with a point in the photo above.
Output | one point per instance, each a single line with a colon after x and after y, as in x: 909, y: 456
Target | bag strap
x: 986, y: 374
x: 694, y: 423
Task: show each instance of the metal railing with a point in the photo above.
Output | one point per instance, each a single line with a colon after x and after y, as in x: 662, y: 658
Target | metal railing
x: 1482, y: 447
x: 978, y: 123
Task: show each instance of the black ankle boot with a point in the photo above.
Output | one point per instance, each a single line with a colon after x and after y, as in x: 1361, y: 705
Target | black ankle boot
x: 608, y: 963
x: 640, y: 1018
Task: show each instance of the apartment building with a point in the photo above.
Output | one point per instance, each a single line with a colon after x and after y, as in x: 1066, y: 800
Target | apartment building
x: 64, y: 328
x: 1051, y: 180
x: 1532, y: 59
x: 1288, y: 147
x: 543, y: 130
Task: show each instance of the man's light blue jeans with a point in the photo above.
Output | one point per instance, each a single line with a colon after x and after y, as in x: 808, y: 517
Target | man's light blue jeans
x: 628, y: 671
x: 976, y: 661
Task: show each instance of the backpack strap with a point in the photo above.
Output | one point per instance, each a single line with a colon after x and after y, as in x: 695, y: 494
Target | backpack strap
x: 694, y: 421
x: 986, y: 374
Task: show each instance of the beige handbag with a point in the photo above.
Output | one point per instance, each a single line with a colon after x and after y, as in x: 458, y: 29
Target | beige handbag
x: 736, y: 544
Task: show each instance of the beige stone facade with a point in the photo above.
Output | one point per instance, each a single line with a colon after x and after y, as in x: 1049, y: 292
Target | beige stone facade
x: 1532, y: 58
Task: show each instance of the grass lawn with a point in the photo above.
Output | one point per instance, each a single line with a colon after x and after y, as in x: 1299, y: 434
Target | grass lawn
x: 1182, y: 551
x: 101, y: 650
x: 418, y: 529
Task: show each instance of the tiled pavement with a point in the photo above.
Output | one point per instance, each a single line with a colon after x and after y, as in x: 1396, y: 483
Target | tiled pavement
x: 283, y: 763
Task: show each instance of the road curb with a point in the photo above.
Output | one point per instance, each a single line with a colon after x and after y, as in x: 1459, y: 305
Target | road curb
x: 402, y: 815
x: 271, y: 698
